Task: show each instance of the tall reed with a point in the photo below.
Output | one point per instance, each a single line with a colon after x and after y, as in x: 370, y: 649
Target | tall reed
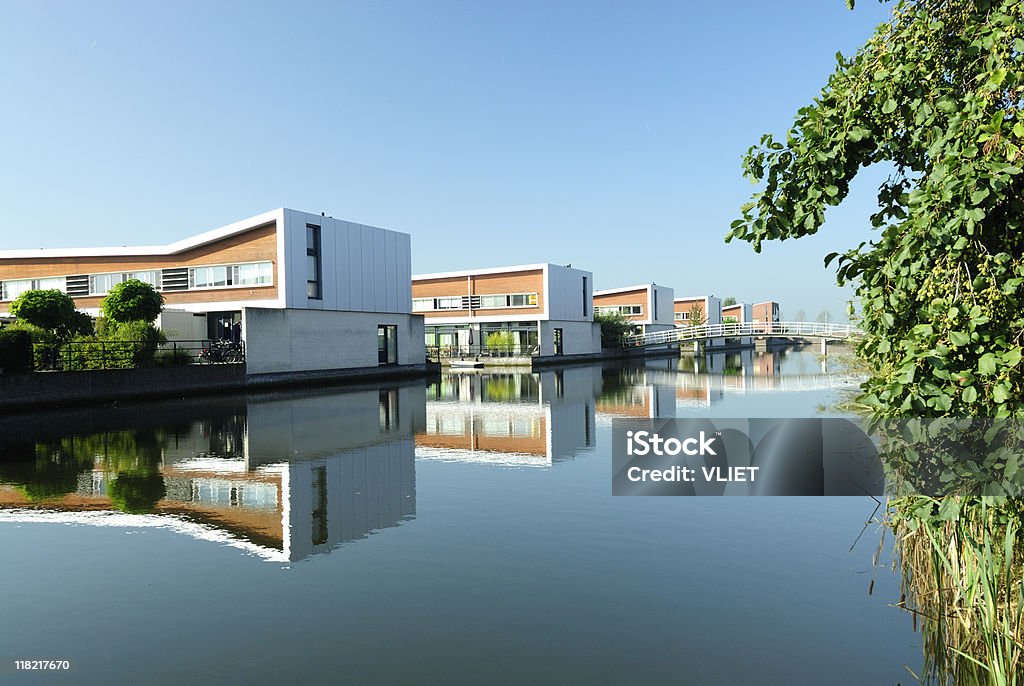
x: 962, y: 561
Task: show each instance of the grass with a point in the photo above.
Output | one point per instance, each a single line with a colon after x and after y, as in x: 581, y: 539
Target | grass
x: 962, y: 564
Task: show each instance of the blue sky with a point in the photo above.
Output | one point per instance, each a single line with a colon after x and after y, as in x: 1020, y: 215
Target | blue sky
x: 603, y: 134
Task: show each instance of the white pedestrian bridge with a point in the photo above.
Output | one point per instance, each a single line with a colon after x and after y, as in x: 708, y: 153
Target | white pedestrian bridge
x: 823, y: 330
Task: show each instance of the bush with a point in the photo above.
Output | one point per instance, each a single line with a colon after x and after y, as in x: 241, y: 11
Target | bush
x: 119, y: 346
x: 132, y: 301
x: 173, y: 358
x: 45, y: 344
x: 614, y: 327
x: 51, y: 311
x: 501, y: 341
x: 15, y: 350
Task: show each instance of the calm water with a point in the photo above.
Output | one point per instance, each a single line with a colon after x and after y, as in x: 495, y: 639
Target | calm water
x: 460, y: 531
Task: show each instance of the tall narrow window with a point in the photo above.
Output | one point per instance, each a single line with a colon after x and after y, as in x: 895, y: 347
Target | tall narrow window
x: 313, y: 263
x: 584, y: 296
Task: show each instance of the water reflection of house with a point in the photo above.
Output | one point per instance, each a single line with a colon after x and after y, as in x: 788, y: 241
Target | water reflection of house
x: 704, y: 379
x: 638, y: 392
x: 300, y: 475
x: 519, y: 418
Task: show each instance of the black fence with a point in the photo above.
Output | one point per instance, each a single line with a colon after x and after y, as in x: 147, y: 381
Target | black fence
x: 84, y: 355
x: 440, y: 352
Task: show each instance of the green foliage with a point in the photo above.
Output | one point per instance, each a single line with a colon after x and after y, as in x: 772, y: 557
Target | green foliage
x: 614, y: 328
x: 137, y: 493
x: 962, y: 565
x: 120, y: 346
x: 729, y: 301
x: 697, y: 316
x: 501, y: 341
x: 15, y: 350
x: 51, y: 311
x: 44, y: 474
x: 937, y: 92
x: 131, y: 301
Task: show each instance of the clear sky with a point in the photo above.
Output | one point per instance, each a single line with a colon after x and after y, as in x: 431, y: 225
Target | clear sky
x: 607, y: 135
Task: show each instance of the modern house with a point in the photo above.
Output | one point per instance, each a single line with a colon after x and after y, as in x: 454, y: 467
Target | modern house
x: 767, y: 311
x: 699, y: 309
x: 647, y: 306
x: 304, y: 292
x: 536, y: 310
x: 740, y: 313
x: 736, y: 313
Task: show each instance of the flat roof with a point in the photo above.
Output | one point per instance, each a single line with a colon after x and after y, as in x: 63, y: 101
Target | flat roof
x: 142, y: 250
x: 485, y: 270
x: 693, y: 297
x: 625, y: 289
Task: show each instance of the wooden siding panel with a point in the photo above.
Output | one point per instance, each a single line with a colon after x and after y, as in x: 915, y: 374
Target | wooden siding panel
x: 256, y: 245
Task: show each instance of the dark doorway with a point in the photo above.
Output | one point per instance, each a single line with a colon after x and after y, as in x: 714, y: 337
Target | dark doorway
x: 558, y: 341
x: 387, y: 344
x: 224, y: 326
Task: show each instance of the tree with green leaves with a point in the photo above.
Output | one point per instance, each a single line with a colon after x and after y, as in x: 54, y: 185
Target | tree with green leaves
x: 697, y: 316
x: 729, y: 301
x: 132, y: 301
x: 614, y: 328
x: 51, y: 311
x: 937, y: 93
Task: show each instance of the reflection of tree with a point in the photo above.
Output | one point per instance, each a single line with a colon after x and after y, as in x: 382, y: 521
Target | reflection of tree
x: 45, y: 476
x: 137, y: 493
x: 52, y: 469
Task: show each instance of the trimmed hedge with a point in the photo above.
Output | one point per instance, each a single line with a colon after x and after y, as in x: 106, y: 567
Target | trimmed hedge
x: 15, y: 350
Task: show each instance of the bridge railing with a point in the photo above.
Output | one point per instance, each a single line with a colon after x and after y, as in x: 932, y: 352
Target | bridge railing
x: 741, y: 329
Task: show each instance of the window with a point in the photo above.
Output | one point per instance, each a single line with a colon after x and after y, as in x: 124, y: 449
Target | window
x: 682, y: 316
x: 100, y: 284
x: 12, y: 289
x: 255, y: 274
x: 431, y: 304
x: 152, y: 277
x: 508, y: 300
x: 223, y: 275
x: 208, y: 277
x: 624, y: 310
x: 585, y: 298
x: 314, y: 286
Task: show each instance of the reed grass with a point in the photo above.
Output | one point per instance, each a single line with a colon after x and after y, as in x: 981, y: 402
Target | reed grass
x: 962, y: 561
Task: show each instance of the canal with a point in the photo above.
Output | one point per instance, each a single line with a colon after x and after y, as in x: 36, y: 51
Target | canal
x: 456, y: 531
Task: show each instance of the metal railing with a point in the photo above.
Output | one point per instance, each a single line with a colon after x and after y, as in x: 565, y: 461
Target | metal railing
x: 110, y: 354
x: 733, y: 330
x: 440, y: 352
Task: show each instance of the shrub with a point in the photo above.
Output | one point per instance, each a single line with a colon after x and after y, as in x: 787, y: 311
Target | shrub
x: 614, y: 327
x: 15, y: 350
x: 120, y: 346
x: 132, y: 301
x: 501, y: 341
x: 51, y: 311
